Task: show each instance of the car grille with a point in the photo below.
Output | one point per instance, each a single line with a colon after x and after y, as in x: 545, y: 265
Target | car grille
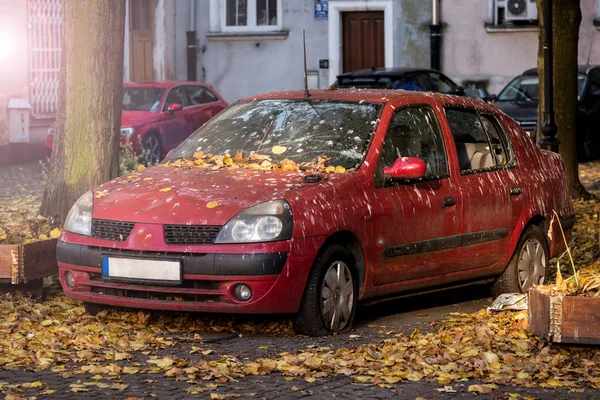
x: 191, y: 234
x: 111, y: 230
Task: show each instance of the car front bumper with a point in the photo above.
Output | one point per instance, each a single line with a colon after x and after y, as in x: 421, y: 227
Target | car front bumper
x: 275, y: 272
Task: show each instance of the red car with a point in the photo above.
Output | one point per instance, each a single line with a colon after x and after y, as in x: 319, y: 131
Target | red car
x: 158, y: 116
x: 307, y: 205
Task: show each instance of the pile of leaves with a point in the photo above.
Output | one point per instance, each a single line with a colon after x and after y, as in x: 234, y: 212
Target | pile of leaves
x: 20, y: 222
x: 255, y: 161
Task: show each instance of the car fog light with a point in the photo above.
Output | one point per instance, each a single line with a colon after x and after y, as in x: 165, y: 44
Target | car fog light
x: 70, y: 279
x: 243, y: 292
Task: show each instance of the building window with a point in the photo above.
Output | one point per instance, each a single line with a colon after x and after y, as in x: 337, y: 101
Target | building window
x: 250, y: 15
x: 512, y: 13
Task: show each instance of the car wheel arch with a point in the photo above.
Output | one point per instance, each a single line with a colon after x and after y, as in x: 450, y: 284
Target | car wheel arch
x: 352, y: 244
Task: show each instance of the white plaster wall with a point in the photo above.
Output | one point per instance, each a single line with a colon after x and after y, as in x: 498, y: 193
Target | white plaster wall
x: 469, y: 52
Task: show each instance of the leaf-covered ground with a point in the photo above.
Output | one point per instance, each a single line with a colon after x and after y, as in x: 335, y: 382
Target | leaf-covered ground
x: 489, y: 348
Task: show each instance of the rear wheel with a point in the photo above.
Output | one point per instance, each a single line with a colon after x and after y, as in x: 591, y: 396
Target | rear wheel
x: 330, y: 297
x: 528, y: 265
x: 152, y: 149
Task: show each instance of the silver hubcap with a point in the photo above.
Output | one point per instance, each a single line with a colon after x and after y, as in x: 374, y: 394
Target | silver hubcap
x: 532, y: 264
x: 153, y: 150
x: 337, y: 296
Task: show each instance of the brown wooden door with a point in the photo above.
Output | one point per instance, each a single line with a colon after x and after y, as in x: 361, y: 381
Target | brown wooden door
x: 363, y: 41
x: 140, y: 32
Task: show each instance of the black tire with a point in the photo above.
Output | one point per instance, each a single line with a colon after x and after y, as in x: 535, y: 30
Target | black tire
x: 312, y: 319
x: 152, y: 149
x: 94, y: 308
x: 528, y: 265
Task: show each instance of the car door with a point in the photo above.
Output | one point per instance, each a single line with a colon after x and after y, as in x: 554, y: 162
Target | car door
x: 414, y: 222
x: 203, y: 104
x: 492, y: 197
x: 178, y: 125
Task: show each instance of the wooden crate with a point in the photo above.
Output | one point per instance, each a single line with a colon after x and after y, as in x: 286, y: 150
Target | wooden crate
x: 23, y: 263
x: 564, y: 319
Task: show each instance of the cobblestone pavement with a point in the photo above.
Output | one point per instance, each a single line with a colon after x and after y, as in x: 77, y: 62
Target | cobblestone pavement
x: 21, y: 180
x: 372, y: 324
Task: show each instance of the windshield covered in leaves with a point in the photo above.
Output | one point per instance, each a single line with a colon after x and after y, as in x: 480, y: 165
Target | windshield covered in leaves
x: 302, y: 132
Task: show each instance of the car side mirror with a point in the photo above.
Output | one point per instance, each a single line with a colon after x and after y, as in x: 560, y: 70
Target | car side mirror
x: 491, y: 97
x: 173, y: 107
x: 406, y: 168
x: 459, y: 91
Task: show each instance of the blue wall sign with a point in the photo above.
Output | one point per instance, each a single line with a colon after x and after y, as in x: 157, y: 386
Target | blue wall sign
x: 321, y: 9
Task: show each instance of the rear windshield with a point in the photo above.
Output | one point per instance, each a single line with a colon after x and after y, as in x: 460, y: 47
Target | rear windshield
x: 298, y: 130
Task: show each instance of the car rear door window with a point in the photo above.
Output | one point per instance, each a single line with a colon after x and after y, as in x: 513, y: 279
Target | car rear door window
x: 501, y: 149
x: 472, y: 145
x: 441, y: 83
x: 414, y: 132
x: 199, y: 95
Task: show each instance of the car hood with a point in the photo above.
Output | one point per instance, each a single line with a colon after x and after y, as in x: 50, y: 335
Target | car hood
x: 136, y: 118
x: 170, y: 195
x: 519, y: 110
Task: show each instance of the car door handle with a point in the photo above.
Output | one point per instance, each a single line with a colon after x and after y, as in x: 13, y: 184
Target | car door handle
x: 449, y: 202
x: 515, y: 191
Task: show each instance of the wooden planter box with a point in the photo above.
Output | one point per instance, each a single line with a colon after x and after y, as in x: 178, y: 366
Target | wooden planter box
x: 23, y: 266
x: 564, y: 319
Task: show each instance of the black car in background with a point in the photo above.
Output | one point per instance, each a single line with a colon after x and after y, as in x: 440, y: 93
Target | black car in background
x: 520, y: 98
x: 419, y: 79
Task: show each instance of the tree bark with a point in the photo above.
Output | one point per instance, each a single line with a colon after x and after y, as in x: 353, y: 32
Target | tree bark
x: 86, y: 143
x: 566, y: 16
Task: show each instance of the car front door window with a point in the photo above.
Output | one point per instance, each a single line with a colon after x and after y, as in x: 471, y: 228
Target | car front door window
x: 176, y: 95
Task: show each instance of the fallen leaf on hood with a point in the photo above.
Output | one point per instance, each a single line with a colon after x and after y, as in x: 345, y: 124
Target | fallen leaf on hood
x: 165, y: 189
x: 278, y: 150
x: 211, y: 204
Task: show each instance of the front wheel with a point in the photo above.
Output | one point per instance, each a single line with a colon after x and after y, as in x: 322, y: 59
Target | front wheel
x: 331, y: 295
x: 528, y: 265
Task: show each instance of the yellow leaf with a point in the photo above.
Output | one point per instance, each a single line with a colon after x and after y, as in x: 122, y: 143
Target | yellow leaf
x: 211, y: 204
x: 554, y: 383
x: 278, y: 149
x: 198, y: 155
x: 42, y: 237
x: 130, y: 370
x: 216, y: 396
x: 339, y: 169
x: 48, y: 391
x: 36, y: 384
x: 141, y: 167
x: 263, y: 347
x: 55, y: 233
x: 310, y: 379
x: 165, y: 189
x: 47, y: 322
x: 207, y: 352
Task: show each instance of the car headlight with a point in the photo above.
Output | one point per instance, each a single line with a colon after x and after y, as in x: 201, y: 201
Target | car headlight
x: 266, y: 222
x: 79, y: 219
x: 127, y: 132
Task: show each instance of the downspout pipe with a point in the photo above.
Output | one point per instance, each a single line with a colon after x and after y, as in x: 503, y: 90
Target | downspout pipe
x: 191, y: 44
x: 549, y: 128
x: 435, y: 32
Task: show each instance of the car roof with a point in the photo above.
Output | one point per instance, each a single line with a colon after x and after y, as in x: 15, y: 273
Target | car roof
x: 384, y: 72
x: 162, y: 84
x: 371, y: 95
x: 581, y: 69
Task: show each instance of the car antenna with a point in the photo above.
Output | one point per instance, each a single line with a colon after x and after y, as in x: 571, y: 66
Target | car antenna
x: 306, y: 92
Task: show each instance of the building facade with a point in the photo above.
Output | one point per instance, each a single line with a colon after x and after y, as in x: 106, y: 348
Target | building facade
x: 488, y: 42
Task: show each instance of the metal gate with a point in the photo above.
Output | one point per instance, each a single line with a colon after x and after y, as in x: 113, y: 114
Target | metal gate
x: 45, y: 44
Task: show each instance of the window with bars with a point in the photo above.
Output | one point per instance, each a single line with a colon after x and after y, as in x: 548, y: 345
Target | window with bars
x: 251, y: 15
x: 45, y: 45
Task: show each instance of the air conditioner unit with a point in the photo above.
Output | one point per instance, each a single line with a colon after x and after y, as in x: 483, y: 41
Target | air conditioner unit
x: 520, y: 10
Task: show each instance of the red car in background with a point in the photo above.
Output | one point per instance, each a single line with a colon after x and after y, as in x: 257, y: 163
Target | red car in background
x: 158, y: 116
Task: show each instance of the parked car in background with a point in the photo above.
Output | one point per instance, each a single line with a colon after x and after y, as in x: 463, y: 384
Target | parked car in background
x: 306, y: 205
x: 417, y: 79
x: 520, y: 98
x: 158, y: 116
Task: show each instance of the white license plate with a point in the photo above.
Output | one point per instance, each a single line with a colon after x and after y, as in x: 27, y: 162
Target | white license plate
x: 147, y: 270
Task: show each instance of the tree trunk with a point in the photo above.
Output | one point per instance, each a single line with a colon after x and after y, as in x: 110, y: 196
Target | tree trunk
x: 86, y: 143
x: 566, y: 18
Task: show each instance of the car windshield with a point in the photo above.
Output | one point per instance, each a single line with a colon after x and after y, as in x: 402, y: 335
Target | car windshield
x: 379, y: 82
x: 142, y: 98
x: 526, y: 88
x: 288, y: 134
